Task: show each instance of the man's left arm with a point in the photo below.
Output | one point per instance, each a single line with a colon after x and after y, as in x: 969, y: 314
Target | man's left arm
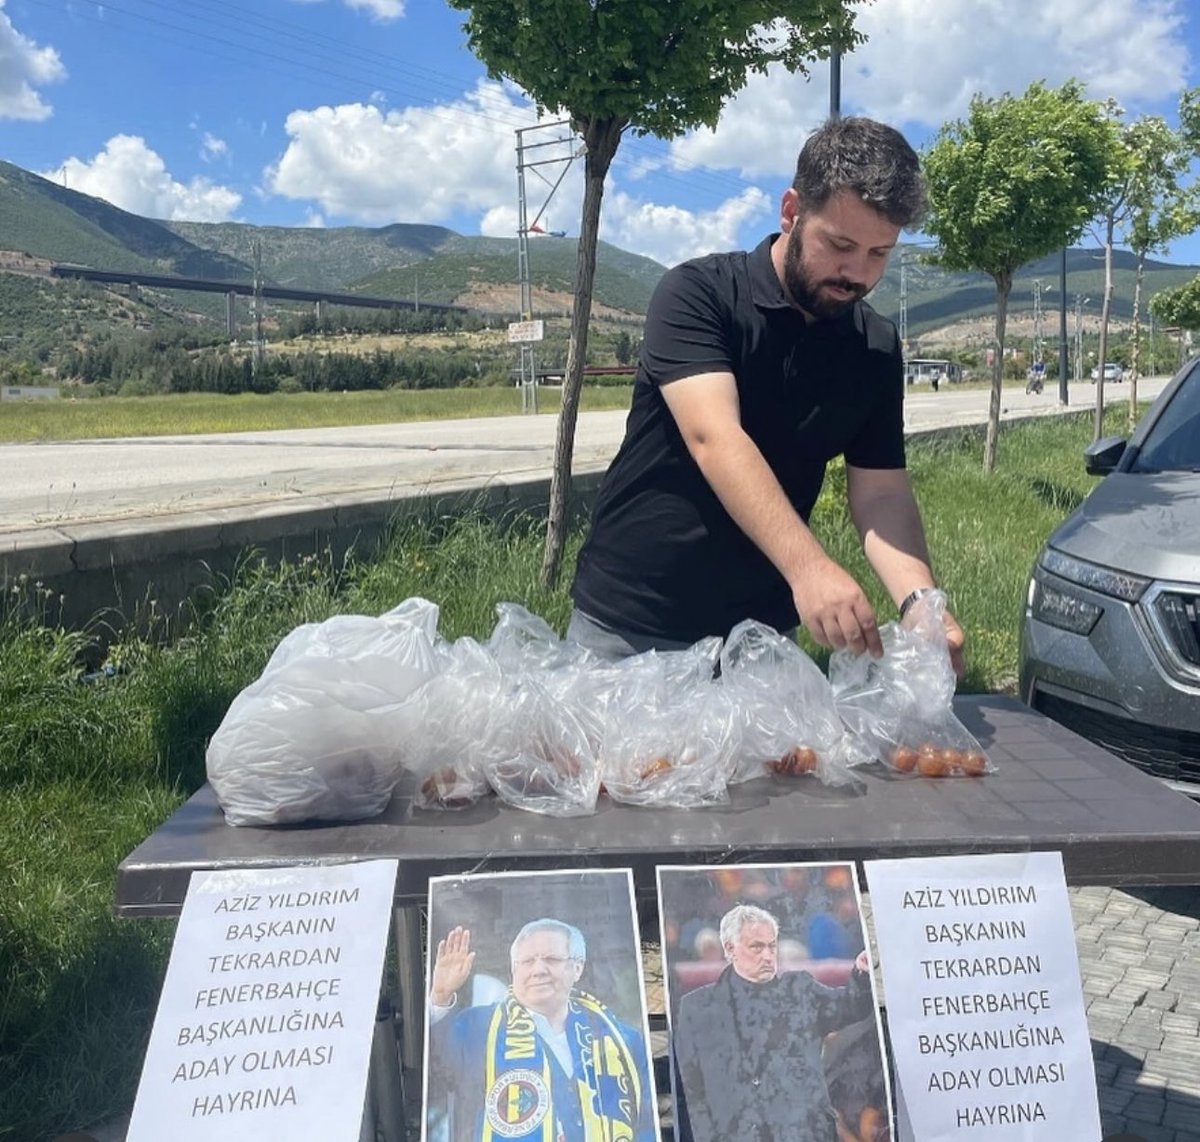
x: 888, y: 520
x: 838, y: 1007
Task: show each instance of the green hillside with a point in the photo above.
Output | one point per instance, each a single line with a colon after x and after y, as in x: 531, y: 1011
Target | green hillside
x: 937, y: 298
x: 622, y: 280
x: 326, y: 258
x: 430, y: 262
x: 40, y: 317
x: 46, y: 220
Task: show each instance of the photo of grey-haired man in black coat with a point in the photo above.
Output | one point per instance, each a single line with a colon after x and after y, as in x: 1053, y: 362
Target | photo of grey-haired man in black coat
x: 749, y: 1046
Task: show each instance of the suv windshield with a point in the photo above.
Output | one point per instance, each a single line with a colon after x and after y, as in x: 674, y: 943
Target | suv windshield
x: 1173, y: 444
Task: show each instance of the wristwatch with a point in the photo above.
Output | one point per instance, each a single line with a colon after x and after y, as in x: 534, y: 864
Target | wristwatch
x: 912, y: 597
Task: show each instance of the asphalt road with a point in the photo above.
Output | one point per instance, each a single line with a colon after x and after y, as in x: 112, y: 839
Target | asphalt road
x: 56, y: 485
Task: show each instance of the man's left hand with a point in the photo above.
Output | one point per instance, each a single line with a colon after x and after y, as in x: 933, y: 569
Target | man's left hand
x: 863, y: 961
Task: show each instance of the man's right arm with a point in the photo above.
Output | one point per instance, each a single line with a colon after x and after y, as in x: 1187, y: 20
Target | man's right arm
x: 830, y: 603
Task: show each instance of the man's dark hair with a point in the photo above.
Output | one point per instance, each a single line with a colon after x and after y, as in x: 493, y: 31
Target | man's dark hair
x: 867, y: 157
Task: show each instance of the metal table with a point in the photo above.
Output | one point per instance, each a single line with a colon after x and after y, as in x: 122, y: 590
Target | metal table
x: 1053, y: 791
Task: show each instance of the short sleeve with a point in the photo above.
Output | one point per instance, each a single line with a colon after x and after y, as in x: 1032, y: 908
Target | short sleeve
x: 688, y: 330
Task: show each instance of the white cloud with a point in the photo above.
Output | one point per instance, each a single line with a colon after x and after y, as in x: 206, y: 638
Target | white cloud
x: 671, y: 234
x: 924, y: 59
x: 211, y: 147
x: 24, y: 67
x: 130, y: 175
x: 380, y: 9
x: 364, y: 164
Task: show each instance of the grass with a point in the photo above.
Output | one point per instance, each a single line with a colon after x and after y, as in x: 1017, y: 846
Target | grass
x: 191, y: 413
x: 89, y: 768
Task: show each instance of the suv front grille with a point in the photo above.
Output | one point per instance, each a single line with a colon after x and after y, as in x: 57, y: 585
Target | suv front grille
x: 1179, y: 621
x: 1171, y: 754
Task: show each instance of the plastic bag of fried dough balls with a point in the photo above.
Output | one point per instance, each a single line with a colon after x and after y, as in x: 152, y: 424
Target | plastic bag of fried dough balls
x: 668, y: 735
x: 536, y: 755
x: 788, y: 724
x: 900, y: 706
x: 442, y: 726
x: 315, y: 736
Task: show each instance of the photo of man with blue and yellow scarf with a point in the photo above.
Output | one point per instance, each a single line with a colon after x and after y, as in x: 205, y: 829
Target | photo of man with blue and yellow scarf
x: 545, y: 1062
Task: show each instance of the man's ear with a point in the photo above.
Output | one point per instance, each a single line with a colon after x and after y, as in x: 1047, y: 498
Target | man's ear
x: 578, y: 970
x: 789, y: 211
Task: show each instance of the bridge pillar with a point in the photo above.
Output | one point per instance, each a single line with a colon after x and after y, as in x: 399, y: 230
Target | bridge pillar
x: 231, y: 315
x: 320, y: 311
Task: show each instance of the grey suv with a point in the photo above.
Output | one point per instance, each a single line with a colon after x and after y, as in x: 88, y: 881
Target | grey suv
x: 1110, y: 646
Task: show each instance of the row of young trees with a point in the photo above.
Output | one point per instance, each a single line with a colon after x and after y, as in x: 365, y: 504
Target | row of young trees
x: 1022, y: 176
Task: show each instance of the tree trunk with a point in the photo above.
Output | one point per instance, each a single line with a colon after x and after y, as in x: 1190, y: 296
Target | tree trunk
x: 1098, y: 431
x: 601, y: 137
x: 1135, y: 362
x: 1003, y: 287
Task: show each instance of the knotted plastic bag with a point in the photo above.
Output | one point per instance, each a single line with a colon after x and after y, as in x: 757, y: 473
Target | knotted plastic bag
x: 669, y: 735
x: 789, y: 725
x: 443, y: 727
x: 900, y: 706
x: 316, y: 735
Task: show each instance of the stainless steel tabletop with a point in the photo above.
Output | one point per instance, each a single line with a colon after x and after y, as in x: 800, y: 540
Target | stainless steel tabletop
x: 1052, y: 790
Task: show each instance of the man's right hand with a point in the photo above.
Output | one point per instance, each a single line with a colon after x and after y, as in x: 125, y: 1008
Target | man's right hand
x: 834, y: 609
x: 451, y: 966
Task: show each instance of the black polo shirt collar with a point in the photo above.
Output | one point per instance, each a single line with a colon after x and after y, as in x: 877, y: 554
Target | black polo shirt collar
x: 767, y: 291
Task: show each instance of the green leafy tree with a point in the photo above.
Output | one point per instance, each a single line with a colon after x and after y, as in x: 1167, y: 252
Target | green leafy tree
x: 1163, y: 204
x: 1179, y: 308
x: 1020, y: 177
x: 654, y: 68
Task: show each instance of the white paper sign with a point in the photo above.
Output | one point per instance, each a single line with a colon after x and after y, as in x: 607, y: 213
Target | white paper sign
x: 265, y: 1021
x: 526, y: 330
x: 985, y: 1008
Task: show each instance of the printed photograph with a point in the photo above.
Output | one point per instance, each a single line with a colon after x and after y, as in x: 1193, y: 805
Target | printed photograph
x: 536, y: 1012
x: 774, y: 1024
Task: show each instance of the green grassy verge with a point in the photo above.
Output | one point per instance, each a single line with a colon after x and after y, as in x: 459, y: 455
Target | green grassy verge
x: 191, y: 413
x: 89, y: 768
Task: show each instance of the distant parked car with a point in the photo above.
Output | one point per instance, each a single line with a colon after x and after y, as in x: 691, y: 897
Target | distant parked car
x: 1112, y: 372
x: 1110, y: 645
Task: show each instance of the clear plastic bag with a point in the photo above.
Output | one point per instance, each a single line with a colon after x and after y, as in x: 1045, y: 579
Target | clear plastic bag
x: 789, y: 725
x: 536, y: 755
x: 900, y: 706
x: 443, y: 728
x: 669, y: 735
x: 315, y: 737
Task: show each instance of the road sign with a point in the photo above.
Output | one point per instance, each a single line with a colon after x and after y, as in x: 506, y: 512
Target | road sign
x: 526, y: 330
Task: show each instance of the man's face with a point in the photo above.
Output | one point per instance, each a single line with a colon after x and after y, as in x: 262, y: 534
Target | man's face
x: 755, y: 953
x: 542, y: 971
x: 834, y: 255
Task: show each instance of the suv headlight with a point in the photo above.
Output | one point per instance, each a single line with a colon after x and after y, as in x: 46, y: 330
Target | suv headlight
x: 1054, y: 599
x: 1104, y: 580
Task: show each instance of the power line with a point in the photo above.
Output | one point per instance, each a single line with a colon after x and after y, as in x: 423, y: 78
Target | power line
x: 305, y: 67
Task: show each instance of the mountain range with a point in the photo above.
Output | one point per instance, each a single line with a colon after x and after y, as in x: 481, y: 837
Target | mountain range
x: 42, y: 222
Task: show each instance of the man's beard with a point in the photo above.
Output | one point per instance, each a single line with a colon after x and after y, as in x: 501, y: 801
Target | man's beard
x: 805, y: 292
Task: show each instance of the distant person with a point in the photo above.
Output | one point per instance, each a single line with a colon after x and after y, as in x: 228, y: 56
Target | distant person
x: 749, y: 1046
x: 757, y: 369
x: 548, y: 1062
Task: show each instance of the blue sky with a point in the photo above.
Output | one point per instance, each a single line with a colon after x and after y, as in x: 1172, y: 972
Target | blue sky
x: 365, y: 112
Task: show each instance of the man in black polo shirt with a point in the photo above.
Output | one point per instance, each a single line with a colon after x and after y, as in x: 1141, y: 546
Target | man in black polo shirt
x: 756, y: 370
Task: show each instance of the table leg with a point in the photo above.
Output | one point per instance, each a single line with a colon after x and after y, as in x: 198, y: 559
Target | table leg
x: 385, y: 1089
x: 411, y: 984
